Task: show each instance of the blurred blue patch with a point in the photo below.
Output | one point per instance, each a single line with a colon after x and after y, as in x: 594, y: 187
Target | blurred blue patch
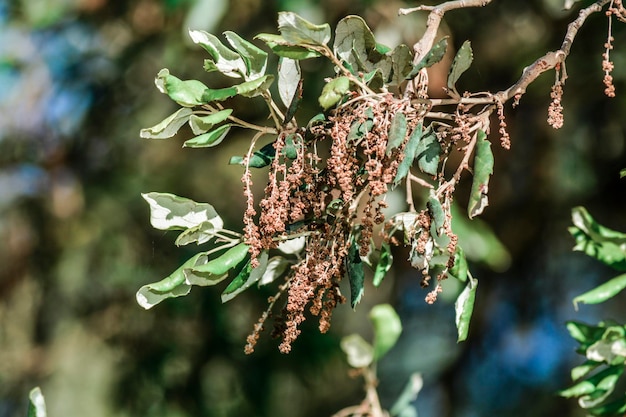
x: 24, y: 180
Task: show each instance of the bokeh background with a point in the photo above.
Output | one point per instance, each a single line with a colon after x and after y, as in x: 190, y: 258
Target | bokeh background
x: 76, y: 86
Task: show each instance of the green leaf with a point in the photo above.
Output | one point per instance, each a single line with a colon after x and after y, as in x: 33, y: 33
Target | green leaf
x: 246, y: 277
x: 584, y: 369
x: 604, y: 380
x: 427, y: 153
x: 285, y: 49
x: 584, y: 333
x: 385, y: 260
x: 401, y: 64
x: 168, y: 127
x: 483, y: 168
x: 462, y: 61
x: 622, y: 173
x: 597, y: 241
x: 217, y: 269
x: 36, y: 403
x: 289, y: 80
x: 299, y: 31
x: 602, y: 292
x: 397, y: 132
x: 224, y: 59
x: 199, y: 234
x: 613, y: 408
x: 255, y: 87
x: 359, y: 353
x: 254, y: 58
x: 435, y: 209
x: 174, y: 285
x: 209, y: 139
x: 333, y: 91
x: 436, y: 54
x: 611, y: 348
x: 202, y: 124
x: 186, y: 93
x: 259, y: 159
x: 459, y: 269
x: 355, y: 44
x: 408, y: 395
x: 356, y: 274
x: 387, y: 329
x: 361, y: 127
x: 409, y: 154
x: 170, y: 212
x: 464, y: 306
x: 276, y: 266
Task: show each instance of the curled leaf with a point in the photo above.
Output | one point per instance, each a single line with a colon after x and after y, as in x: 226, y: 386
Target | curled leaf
x: 333, y: 91
x: 483, y: 168
x: 168, y: 127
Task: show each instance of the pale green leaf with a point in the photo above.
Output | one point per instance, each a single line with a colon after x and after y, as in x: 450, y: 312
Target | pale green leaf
x: 292, y: 246
x: 217, y: 268
x: 199, y: 234
x: 602, y: 380
x: 255, y: 87
x: 462, y: 61
x: 168, y: 127
x: 397, y: 132
x: 408, y: 395
x: 427, y: 153
x: 202, y: 124
x: 299, y: 31
x: 353, y: 39
x: 459, y: 269
x: 409, y: 154
x: 36, y: 403
x: 383, y: 264
x: 209, y: 139
x: 174, y: 285
x: 359, y: 353
x: 276, y: 266
x: 225, y: 60
x: 254, y: 58
x: 387, y: 329
x: 483, y: 168
x: 170, y: 212
x: 436, y: 54
x: 401, y: 64
x: 464, y: 306
x: 289, y: 77
x: 285, y: 49
x: 333, y: 91
x: 246, y: 278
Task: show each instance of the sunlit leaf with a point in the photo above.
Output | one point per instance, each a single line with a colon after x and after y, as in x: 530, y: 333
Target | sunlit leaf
x: 246, y: 278
x: 462, y: 61
x: 289, y: 80
x: 584, y: 369
x: 202, y: 124
x: 597, y: 241
x: 611, y: 348
x: 383, y: 265
x: 409, y: 154
x: 254, y: 58
x: 170, y: 212
x: 436, y: 54
x: 356, y: 274
x: 612, y: 408
x: 209, y: 139
x: 168, y: 127
x: 435, y: 209
x: 622, y: 173
x: 397, y: 132
x: 359, y: 353
x: 602, y: 292
x: 584, y: 333
x: 255, y: 87
x: 199, y: 234
x: 36, y: 403
x: 427, y: 153
x: 387, y: 329
x: 299, y: 31
x: 292, y: 246
x: 186, y: 93
x: 225, y: 60
x: 460, y: 268
x: 408, y: 396
x: 603, y: 380
x: 483, y: 168
x: 333, y: 91
x: 174, y: 285
x: 215, y: 270
x: 281, y: 47
x: 464, y: 306
x: 276, y: 266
